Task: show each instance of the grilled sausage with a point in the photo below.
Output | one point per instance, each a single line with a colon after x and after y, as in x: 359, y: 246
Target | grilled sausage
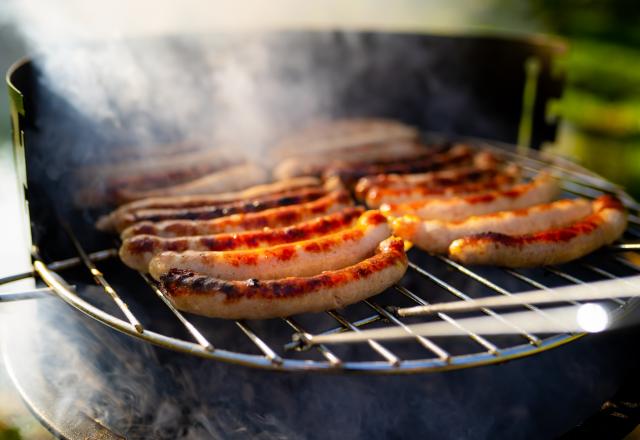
x: 541, y: 190
x: 137, y: 251
x: 329, y: 136
x: 105, y: 184
x: 230, y: 179
x: 221, y: 210
x: 435, y: 236
x: 553, y: 246
x: 485, y: 165
x: 107, y: 222
x: 269, y: 218
x: 313, y: 164
x: 303, y: 258
x: 156, y: 169
x: 455, y: 157
x: 254, y: 299
x: 375, y: 197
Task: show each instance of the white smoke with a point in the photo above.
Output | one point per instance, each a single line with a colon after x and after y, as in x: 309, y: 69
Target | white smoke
x: 85, y: 52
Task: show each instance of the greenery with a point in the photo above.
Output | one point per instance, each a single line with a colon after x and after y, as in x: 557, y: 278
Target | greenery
x: 7, y: 433
x: 600, y: 108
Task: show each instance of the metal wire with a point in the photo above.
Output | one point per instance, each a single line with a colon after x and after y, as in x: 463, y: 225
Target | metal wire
x: 100, y: 279
x: 432, y: 357
x: 190, y: 327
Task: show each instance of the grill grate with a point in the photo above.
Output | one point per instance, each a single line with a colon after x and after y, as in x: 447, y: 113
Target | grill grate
x: 440, y: 276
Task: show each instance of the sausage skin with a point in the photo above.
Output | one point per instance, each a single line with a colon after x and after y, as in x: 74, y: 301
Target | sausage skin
x: 485, y: 165
x: 541, y: 190
x: 107, y: 222
x: 221, y: 210
x: 553, y: 246
x: 303, y: 258
x: 137, y: 251
x: 234, y: 178
x: 254, y: 299
x: 435, y: 236
x: 376, y: 197
x: 269, y: 218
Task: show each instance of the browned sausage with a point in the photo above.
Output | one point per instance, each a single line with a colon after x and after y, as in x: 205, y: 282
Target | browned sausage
x: 553, y: 246
x: 302, y: 258
x: 215, y: 211
x: 137, y: 251
x: 376, y: 197
x: 254, y: 299
x: 435, y: 236
x: 541, y: 190
x: 269, y: 218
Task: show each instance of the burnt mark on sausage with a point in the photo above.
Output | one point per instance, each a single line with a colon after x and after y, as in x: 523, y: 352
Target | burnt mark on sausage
x: 275, y: 217
x: 378, y: 195
x: 353, y: 171
x: 225, y: 209
x: 181, y: 282
x: 141, y: 244
x: 559, y: 235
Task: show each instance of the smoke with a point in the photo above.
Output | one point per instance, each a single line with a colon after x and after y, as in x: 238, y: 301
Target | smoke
x: 100, y: 57
x: 105, y: 60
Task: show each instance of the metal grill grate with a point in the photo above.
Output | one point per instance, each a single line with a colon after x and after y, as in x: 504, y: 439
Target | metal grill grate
x: 432, y: 276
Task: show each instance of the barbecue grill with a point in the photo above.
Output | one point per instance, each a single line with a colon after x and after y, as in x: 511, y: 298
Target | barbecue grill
x: 81, y: 266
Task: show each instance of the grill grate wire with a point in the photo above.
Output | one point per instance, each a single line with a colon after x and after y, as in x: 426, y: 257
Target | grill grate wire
x: 436, y: 358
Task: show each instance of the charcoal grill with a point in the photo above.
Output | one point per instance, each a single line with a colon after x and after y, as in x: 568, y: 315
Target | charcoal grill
x: 83, y: 270
x: 434, y: 357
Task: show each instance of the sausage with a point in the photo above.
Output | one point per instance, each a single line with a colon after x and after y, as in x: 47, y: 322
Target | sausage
x: 230, y: 179
x: 552, y: 246
x: 255, y: 299
x: 155, y: 170
x: 350, y: 173
x: 214, y: 211
x: 137, y: 251
x: 303, y: 258
x: 108, y: 222
x: 375, y: 197
x: 313, y: 164
x: 269, y: 218
x: 435, y: 236
x: 105, y: 184
x: 455, y: 176
x: 175, y: 202
x: 541, y: 190
x: 328, y: 136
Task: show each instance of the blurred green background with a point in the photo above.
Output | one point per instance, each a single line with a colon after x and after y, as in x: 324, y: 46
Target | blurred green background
x: 600, y: 109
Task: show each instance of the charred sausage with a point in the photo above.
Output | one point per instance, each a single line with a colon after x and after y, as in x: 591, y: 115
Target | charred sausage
x: 255, y: 299
x: 303, y: 258
x: 553, y: 246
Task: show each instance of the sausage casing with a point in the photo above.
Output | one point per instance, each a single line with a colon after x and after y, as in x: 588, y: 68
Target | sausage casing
x: 137, y: 251
x: 553, y: 246
x: 255, y: 299
x: 435, y: 236
x: 541, y: 190
x: 303, y: 258
x: 269, y: 218
x: 221, y: 210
